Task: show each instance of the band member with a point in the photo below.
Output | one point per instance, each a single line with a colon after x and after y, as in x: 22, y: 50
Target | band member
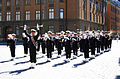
x: 98, y: 43
x: 43, y: 44
x: 106, y: 41
x: 75, y: 45
x: 12, y: 45
x: 92, y: 44
x: 32, y: 44
x: 81, y: 42
x: 102, y: 37
x: 49, y: 47
x: 25, y: 44
x: 68, y: 47
x: 59, y: 44
x: 86, y: 47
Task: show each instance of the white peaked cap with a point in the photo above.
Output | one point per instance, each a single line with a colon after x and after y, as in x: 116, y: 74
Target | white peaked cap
x: 62, y: 32
x: 24, y: 35
x: 25, y: 25
x: 68, y: 31
x: 46, y: 35
x: 37, y: 25
x: 75, y: 33
x: 33, y: 30
x: 49, y: 32
x: 13, y: 34
x: 10, y: 35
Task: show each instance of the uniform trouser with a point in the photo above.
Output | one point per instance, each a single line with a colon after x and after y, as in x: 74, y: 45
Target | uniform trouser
x: 93, y: 51
x: 86, y: 54
x: 98, y: 49
x: 68, y: 54
x: 110, y: 44
x: 102, y: 47
x: 106, y: 46
x: 59, y: 51
x: 12, y: 49
x: 43, y: 49
x: 52, y: 46
x: 33, y: 55
x: 75, y: 52
x: 49, y: 53
x: 81, y: 48
x: 25, y: 49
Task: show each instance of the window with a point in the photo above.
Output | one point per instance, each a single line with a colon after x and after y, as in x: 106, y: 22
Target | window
x: 27, y: 2
x: 93, y: 4
x: 8, y: 16
x: 0, y: 3
x: 37, y: 2
x: 17, y: 2
x: 84, y: 7
x: 99, y: 5
x: 37, y: 15
x: 43, y: 1
x: 43, y: 14
x: 51, y: 0
x: 90, y: 16
x: 97, y: 18
x: 94, y: 17
x: 0, y: 16
x: 8, y: 3
x: 102, y: 19
x: 27, y: 15
x: 51, y: 28
x: 61, y: 13
x: 17, y: 16
x: 61, y: 0
x: 0, y: 30
x: 51, y: 13
x: 90, y: 4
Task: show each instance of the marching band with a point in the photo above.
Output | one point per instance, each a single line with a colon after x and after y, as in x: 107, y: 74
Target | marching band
x: 89, y: 42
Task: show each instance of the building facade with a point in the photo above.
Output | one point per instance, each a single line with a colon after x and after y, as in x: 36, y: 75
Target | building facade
x: 113, y: 16
x: 54, y: 15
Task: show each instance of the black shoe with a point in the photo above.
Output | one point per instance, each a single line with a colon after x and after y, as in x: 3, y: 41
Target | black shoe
x: 32, y: 68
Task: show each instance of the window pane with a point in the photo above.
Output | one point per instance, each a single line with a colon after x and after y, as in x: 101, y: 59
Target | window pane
x: 61, y: 13
x: 27, y: 2
x: 17, y: 16
x: 0, y: 30
x: 0, y: 16
x: 8, y: 2
x: 27, y: 15
x: 0, y: 3
x: 8, y: 16
x: 17, y: 2
x: 51, y: 13
x: 61, y: 0
x: 37, y: 2
x: 51, y: 28
x: 43, y: 14
x: 37, y: 15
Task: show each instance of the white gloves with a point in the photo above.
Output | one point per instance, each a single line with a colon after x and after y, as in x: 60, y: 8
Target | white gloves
x: 25, y: 26
x: 38, y: 27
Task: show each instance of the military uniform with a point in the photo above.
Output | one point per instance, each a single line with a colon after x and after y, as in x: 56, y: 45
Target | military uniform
x: 32, y: 45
